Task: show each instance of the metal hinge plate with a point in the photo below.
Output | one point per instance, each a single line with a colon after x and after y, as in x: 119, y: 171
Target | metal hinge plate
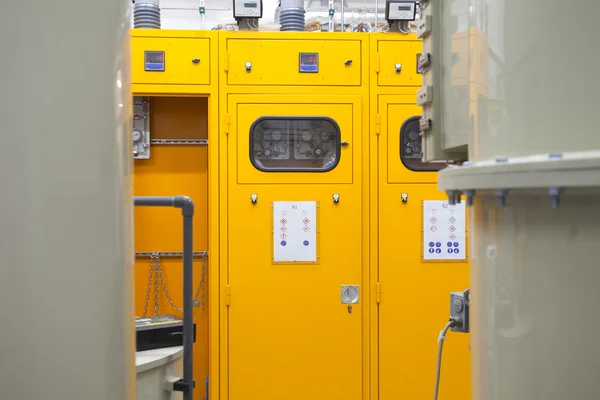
x: 227, y: 123
x: 228, y: 295
x: 378, y: 292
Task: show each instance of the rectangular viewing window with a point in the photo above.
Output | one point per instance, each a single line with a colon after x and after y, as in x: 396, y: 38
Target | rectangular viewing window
x: 295, y: 144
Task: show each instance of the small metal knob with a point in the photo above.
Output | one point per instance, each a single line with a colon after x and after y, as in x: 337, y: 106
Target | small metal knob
x: 348, y: 63
x: 398, y: 68
x: 196, y: 60
x: 248, y: 66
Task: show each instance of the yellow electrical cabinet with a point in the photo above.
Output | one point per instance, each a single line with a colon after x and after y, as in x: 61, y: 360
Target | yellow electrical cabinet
x: 294, y: 165
x: 421, y: 241
x: 175, y: 107
x: 325, y: 254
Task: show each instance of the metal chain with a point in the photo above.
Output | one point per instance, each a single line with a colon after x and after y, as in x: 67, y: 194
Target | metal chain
x: 201, y: 286
x: 158, y: 274
x: 149, y: 288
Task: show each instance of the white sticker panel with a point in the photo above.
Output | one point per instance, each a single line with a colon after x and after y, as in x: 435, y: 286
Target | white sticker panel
x: 444, y: 231
x: 295, y: 231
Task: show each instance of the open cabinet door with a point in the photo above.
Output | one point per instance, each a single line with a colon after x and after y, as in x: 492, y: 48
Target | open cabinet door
x: 295, y: 248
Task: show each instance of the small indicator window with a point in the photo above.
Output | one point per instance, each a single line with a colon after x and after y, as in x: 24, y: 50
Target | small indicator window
x: 404, y: 8
x: 309, y: 62
x: 154, y: 61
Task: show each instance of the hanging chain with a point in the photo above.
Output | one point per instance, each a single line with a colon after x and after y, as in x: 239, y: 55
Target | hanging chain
x: 157, y: 272
x: 159, y: 275
x: 201, y: 286
x: 149, y: 288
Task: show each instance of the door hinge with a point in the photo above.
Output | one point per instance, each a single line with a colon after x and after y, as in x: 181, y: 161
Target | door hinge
x: 227, y: 123
x: 376, y: 63
x: 227, y: 295
x: 378, y: 292
x: 377, y: 124
x: 226, y: 62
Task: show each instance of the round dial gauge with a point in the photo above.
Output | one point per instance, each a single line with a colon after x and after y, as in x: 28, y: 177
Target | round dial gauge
x: 137, y: 135
x: 306, y: 136
x: 413, y: 135
x: 276, y: 135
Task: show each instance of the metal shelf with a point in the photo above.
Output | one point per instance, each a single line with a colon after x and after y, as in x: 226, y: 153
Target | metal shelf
x: 179, y: 142
x: 145, y: 254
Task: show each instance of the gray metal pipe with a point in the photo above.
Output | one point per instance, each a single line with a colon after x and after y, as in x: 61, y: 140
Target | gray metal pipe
x: 187, y: 210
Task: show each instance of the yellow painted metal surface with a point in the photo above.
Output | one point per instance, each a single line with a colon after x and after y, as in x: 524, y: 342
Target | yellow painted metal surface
x: 407, y: 351
x: 303, y: 343
x: 285, y: 332
x: 393, y: 53
x: 276, y: 62
x: 180, y: 54
x: 413, y: 294
x: 280, y: 331
x: 182, y: 106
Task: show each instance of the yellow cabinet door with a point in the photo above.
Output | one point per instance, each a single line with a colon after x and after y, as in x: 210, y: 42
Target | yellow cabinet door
x: 415, y: 293
x: 402, y: 165
x: 186, y: 60
x: 398, y: 62
x: 290, y: 335
x: 277, y: 62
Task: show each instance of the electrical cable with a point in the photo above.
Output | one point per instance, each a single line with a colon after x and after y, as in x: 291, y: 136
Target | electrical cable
x: 452, y: 322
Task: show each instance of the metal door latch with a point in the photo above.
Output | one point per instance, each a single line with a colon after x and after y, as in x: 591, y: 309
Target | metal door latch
x: 254, y: 198
x: 398, y: 68
x: 336, y: 198
x: 248, y: 66
x: 348, y: 63
x: 349, y: 294
x: 404, y: 198
x: 196, y: 60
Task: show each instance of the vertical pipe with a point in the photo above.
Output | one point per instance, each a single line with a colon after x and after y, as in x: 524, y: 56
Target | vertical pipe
x: 188, y: 321
x: 66, y: 263
x: 331, y: 22
x: 187, y: 210
x: 376, y: 15
x: 343, y: 27
x: 202, y: 14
